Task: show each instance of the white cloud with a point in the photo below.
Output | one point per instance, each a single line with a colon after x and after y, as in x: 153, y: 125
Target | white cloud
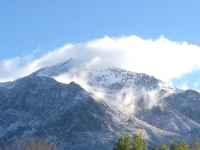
x: 161, y: 58
x: 11, y: 69
x: 196, y: 84
x: 184, y: 86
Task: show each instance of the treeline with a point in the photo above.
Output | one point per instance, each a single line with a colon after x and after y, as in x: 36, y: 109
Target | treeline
x: 138, y: 143
x: 35, y: 144
x: 124, y: 143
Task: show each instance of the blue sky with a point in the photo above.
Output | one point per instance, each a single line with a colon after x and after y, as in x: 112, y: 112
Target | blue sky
x: 31, y: 29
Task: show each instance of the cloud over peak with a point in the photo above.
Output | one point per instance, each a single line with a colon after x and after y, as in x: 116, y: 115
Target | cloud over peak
x: 162, y: 58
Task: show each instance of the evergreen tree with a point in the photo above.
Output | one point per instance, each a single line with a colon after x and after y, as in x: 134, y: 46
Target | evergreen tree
x: 183, y: 145
x: 196, y: 145
x: 124, y: 143
x: 174, y: 144
x: 163, y: 147
x: 127, y: 143
x: 155, y: 148
x: 138, y: 143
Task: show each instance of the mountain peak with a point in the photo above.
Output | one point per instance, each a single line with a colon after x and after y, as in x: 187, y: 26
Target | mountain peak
x: 96, y: 104
x: 55, y: 69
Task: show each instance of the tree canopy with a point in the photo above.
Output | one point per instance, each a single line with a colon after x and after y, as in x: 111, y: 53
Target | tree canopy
x: 128, y: 143
x: 137, y: 143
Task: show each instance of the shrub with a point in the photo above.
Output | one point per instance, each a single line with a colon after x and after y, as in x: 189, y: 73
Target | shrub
x: 35, y: 144
x: 128, y: 143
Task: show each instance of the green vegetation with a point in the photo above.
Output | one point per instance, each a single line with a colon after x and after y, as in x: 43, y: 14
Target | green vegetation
x: 35, y: 144
x: 124, y: 143
x: 128, y: 143
x: 137, y: 143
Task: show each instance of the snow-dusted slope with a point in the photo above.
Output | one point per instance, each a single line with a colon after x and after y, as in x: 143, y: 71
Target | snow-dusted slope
x: 150, y: 99
x: 66, y: 114
x: 95, y: 111
x: 55, y: 70
x: 114, y: 79
x: 143, y: 96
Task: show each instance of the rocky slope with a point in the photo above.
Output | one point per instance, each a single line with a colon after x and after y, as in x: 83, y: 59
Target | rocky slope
x: 116, y: 102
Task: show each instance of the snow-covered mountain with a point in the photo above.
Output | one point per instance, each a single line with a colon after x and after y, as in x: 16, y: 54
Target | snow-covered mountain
x: 93, y: 111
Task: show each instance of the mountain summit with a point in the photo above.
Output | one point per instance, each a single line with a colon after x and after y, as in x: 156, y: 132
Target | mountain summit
x: 95, y: 107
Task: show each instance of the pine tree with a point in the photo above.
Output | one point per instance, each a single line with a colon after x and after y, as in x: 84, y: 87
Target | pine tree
x: 127, y: 143
x: 174, y: 144
x: 163, y: 147
x: 138, y: 143
x: 124, y: 143
x: 196, y: 145
x: 183, y: 145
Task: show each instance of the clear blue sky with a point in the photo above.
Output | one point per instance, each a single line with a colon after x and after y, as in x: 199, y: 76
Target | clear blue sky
x: 27, y: 25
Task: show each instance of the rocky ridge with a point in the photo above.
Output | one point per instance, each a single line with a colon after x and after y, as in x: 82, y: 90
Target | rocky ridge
x: 75, y: 118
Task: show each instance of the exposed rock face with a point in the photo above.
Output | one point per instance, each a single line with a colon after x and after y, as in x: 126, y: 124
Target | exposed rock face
x: 39, y: 106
